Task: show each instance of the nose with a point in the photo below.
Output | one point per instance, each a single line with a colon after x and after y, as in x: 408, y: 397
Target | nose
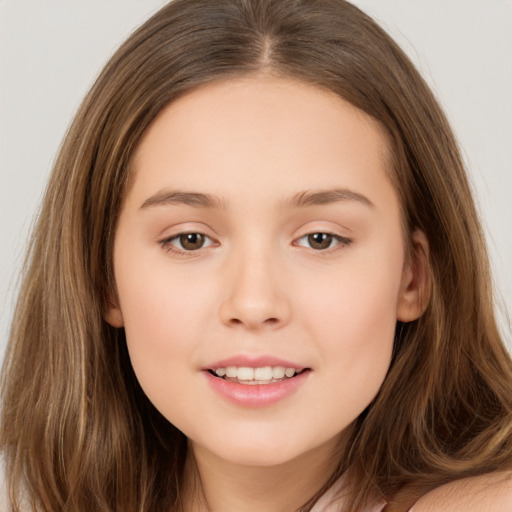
x: 254, y: 298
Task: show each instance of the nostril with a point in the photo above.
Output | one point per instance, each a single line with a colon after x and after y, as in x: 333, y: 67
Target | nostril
x: 269, y: 322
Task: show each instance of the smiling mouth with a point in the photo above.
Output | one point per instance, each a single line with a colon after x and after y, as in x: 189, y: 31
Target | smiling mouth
x: 255, y: 376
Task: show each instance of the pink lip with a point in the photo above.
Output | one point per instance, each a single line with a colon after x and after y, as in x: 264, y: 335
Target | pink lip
x: 256, y: 395
x: 253, y: 362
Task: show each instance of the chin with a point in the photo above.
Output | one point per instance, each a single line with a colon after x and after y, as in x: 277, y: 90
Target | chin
x: 252, y: 450
x: 263, y: 449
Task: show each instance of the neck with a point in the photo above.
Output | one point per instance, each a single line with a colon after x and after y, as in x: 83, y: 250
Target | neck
x: 213, y: 484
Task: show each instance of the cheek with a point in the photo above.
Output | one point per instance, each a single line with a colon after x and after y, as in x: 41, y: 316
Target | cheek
x: 352, y: 320
x: 162, y: 320
x: 160, y: 303
x: 357, y: 336
x: 357, y: 306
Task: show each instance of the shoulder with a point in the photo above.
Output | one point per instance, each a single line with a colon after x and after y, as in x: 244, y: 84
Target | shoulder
x: 486, y: 493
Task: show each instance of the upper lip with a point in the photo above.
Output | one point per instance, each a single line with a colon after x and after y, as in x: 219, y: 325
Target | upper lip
x: 253, y: 362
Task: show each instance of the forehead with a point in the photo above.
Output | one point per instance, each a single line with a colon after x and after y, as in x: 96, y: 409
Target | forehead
x: 264, y: 134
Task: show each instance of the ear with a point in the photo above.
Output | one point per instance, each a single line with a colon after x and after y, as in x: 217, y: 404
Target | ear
x: 113, y: 315
x: 415, y: 285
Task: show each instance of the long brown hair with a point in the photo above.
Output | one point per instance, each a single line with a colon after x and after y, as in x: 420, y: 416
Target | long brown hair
x: 77, y: 432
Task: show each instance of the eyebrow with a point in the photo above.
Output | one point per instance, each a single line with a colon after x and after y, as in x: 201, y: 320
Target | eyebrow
x: 299, y: 200
x: 320, y: 197
x: 195, y: 199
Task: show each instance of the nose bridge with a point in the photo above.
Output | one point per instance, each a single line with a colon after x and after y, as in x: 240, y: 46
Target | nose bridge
x: 255, y: 297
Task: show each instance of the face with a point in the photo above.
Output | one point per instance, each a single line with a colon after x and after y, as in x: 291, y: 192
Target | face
x: 260, y: 270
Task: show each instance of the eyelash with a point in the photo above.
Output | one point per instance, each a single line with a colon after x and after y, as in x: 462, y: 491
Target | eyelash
x: 341, y: 241
x: 167, y: 243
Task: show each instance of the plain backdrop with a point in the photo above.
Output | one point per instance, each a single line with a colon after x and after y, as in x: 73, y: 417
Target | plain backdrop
x: 51, y: 51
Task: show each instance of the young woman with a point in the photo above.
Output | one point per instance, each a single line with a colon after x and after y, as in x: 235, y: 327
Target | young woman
x: 258, y: 282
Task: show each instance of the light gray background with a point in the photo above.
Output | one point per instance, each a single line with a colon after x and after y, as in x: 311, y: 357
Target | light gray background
x: 51, y: 50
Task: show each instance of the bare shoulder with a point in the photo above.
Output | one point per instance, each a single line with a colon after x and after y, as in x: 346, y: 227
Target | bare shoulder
x: 486, y: 493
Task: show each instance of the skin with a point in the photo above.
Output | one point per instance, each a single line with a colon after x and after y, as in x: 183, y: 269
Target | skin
x: 485, y: 493
x: 258, y: 286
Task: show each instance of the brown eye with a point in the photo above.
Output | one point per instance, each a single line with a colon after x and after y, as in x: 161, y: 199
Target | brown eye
x: 323, y: 241
x: 192, y: 241
x: 183, y: 243
x: 320, y: 241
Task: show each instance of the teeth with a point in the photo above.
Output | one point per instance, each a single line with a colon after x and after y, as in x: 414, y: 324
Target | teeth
x: 264, y: 373
x: 231, y: 371
x: 289, y: 372
x: 261, y: 375
x: 245, y: 373
x: 278, y: 372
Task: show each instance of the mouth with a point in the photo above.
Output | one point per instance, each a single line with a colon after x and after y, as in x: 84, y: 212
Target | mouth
x: 256, y: 376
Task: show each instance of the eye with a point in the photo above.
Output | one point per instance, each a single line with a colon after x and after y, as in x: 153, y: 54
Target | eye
x: 322, y: 241
x: 186, y: 242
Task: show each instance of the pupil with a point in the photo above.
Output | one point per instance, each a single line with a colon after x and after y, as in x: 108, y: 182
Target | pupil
x: 192, y: 241
x: 320, y: 240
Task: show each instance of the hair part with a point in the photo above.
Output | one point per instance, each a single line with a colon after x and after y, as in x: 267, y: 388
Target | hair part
x: 445, y: 409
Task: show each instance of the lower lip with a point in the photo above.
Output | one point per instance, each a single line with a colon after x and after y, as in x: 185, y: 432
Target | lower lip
x: 256, y: 395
